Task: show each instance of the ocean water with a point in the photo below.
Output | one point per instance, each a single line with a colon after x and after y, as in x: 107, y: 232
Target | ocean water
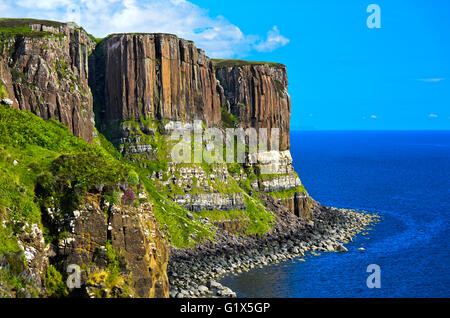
x: 404, y: 177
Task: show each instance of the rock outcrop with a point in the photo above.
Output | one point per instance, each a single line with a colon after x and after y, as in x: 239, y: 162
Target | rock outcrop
x: 156, y: 76
x: 139, y: 80
x: 45, y: 70
x: 134, y: 238
x: 257, y: 95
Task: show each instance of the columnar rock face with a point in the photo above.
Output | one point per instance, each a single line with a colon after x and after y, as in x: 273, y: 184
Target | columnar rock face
x: 45, y: 71
x: 257, y: 95
x: 156, y: 76
x: 139, y: 79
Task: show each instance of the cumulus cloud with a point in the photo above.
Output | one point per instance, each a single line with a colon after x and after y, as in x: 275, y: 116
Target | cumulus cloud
x: 274, y: 40
x: 216, y: 35
x: 433, y: 115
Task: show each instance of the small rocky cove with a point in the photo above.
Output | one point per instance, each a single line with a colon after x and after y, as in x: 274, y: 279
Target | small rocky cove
x: 195, y: 272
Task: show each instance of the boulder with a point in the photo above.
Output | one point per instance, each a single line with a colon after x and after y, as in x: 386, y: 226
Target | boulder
x: 341, y: 248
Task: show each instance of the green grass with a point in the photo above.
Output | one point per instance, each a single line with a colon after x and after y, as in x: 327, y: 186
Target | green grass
x: 12, y: 28
x: 8, y: 32
x: 228, y: 119
x: 261, y: 220
x: 40, y: 158
x: 55, y: 284
x: 287, y: 193
x: 225, y: 63
x: 14, y: 282
x: 174, y: 218
x: 255, y: 220
x: 113, y: 275
x: 3, y: 91
x: 20, y: 23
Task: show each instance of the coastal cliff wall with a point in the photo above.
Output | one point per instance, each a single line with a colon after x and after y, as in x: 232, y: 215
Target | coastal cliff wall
x: 143, y: 86
x: 50, y: 222
x: 44, y: 69
x: 157, y: 76
x: 146, y: 85
x: 257, y: 95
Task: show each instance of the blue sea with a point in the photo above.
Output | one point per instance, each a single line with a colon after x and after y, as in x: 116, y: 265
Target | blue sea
x: 404, y: 176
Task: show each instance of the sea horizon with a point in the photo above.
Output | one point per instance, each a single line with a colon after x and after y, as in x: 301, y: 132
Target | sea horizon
x: 377, y: 175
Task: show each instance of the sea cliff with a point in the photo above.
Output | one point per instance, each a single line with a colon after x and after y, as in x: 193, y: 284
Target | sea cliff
x: 89, y: 179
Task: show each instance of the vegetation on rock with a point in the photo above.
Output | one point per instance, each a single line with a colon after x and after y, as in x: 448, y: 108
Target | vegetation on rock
x: 122, y: 171
x: 224, y: 63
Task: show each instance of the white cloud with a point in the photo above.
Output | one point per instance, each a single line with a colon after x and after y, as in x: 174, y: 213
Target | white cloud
x: 373, y: 117
x: 274, y: 40
x: 431, y: 80
x: 433, y: 115
x: 216, y: 35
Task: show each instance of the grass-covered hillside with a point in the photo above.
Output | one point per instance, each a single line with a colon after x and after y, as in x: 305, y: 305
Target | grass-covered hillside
x: 14, y: 27
x: 43, y: 165
x: 41, y: 160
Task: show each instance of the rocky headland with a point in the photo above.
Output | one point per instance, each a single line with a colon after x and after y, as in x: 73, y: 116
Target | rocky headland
x: 87, y: 177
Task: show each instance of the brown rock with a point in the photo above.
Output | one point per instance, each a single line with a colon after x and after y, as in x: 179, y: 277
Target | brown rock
x: 257, y: 95
x: 156, y: 76
x: 46, y: 72
x: 134, y: 235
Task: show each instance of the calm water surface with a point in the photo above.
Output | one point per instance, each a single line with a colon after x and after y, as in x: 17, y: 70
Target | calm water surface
x: 404, y: 177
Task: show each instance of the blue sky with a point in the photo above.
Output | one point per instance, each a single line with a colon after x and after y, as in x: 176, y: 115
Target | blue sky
x: 342, y: 75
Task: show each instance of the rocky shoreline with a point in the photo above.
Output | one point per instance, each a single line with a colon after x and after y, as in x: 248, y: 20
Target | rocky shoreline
x: 194, y: 272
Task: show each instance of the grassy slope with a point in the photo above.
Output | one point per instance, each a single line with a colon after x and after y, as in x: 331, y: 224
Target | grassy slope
x: 3, y: 92
x: 14, y: 27
x: 36, y: 144
x: 10, y: 28
x: 33, y: 150
x: 28, y: 146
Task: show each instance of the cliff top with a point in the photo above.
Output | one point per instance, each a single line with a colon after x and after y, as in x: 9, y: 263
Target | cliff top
x: 223, y: 63
x: 10, y: 26
x: 169, y: 35
x: 147, y: 33
x: 13, y: 27
x: 20, y: 23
